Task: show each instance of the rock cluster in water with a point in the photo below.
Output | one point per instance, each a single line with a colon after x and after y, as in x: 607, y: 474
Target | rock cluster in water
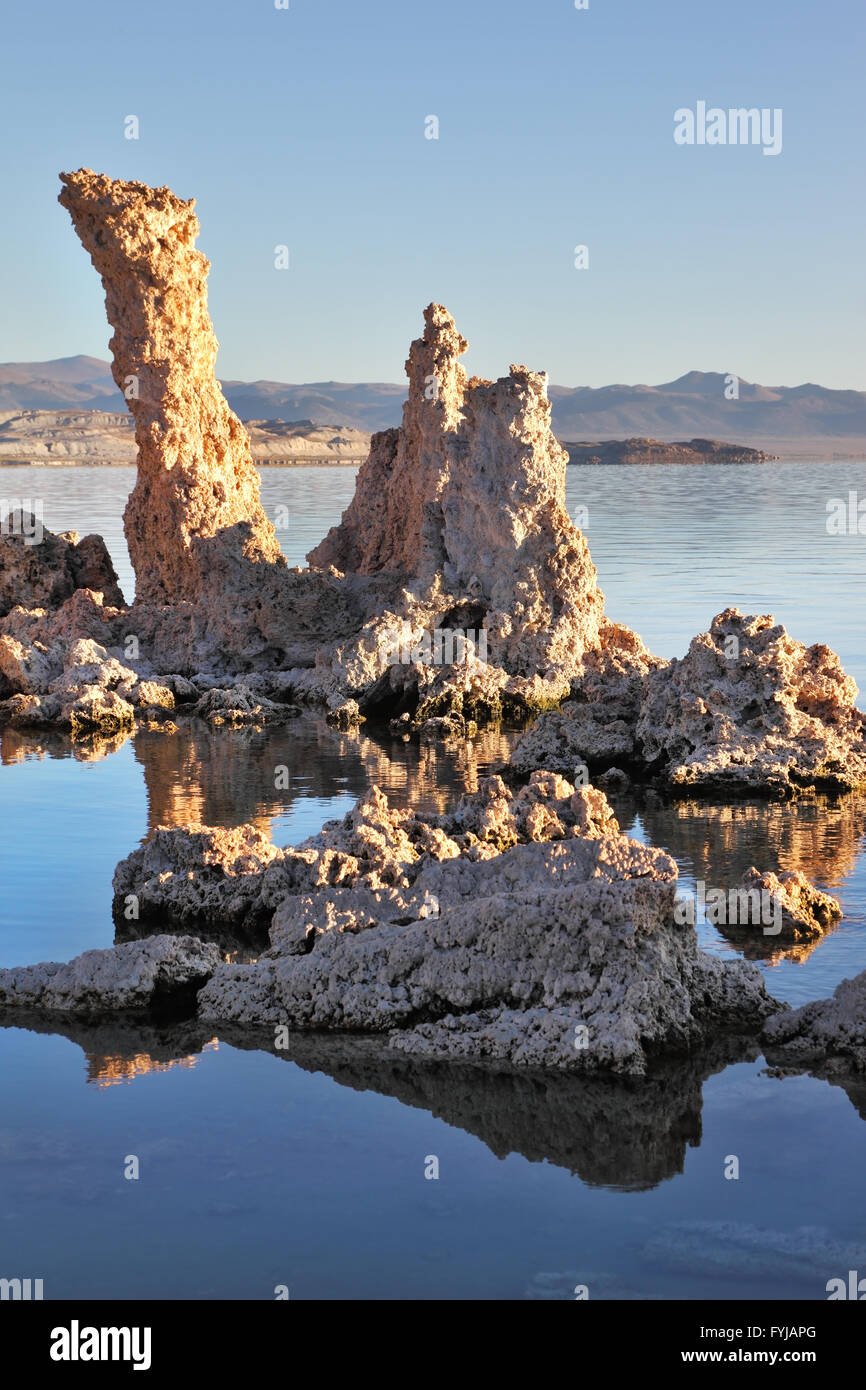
x: 747, y: 709
x: 523, y: 926
x: 455, y: 588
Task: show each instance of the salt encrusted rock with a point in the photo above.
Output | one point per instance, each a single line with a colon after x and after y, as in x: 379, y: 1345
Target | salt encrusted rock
x: 596, y: 725
x: 73, y: 682
x: 612, y: 780
x: 827, y: 1032
x: 749, y: 708
x: 547, y: 955
x: 238, y: 877
x: 471, y: 489
x: 194, y: 513
x: 801, y: 910
x: 504, y: 929
x: 196, y: 875
x: 132, y: 976
x: 42, y: 570
x: 94, y: 709
x: 151, y: 693
x: 573, y: 735
x: 183, y: 690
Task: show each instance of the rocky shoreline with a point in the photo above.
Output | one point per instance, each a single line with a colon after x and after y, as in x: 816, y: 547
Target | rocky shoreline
x: 524, y: 927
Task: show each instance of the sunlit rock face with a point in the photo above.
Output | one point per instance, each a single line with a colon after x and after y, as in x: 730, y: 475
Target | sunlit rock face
x: 747, y: 709
x: 194, y: 511
x: 212, y: 588
x: 470, y: 491
x: 750, y: 707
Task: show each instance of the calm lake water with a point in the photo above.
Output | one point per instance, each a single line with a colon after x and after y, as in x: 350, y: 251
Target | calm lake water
x: 308, y: 1170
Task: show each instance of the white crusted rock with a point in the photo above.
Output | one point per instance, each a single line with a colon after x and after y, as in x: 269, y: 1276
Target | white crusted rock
x: 750, y: 708
x: 134, y: 975
x: 825, y: 1031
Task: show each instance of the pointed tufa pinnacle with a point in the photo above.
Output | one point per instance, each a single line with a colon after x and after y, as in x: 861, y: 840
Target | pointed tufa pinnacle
x: 472, y: 488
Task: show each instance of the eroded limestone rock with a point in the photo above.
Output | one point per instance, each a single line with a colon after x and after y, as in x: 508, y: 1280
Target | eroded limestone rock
x: 749, y: 708
x: 827, y: 1033
x: 195, y: 875
x: 596, y: 724
x: 367, y: 867
x: 58, y: 677
x: 801, y: 911
x: 547, y: 955
x: 42, y: 570
x: 135, y: 975
x: 241, y: 704
x: 470, y: 492
x: 522, y: 926
x: 194, y: 519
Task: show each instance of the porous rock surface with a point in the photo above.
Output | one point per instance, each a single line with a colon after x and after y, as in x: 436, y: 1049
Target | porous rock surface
x: 748, y: 709
x: 470, y: 490
x: 68, y: 667
x: 523, y: 927
x: 134, y: 975
x: 802, y: 910
x: 595, y: 726
x: 828, y: 1032
x: 41, y: 570
x: 202, y: 874
x: 194, y: 513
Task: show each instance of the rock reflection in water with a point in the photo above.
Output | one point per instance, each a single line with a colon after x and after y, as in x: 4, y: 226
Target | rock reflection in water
x: 820, y: 836
x: 627, y: 1135
x: 17, y: 745
x: 228, y: 778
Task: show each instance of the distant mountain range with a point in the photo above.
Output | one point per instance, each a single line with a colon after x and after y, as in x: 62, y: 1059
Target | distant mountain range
x: 809, y: 419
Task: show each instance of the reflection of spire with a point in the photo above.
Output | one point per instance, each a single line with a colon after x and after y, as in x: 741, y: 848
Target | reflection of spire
x: 112, y: 1070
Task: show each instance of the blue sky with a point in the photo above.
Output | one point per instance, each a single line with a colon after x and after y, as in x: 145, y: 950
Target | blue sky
x: 305, y: 127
